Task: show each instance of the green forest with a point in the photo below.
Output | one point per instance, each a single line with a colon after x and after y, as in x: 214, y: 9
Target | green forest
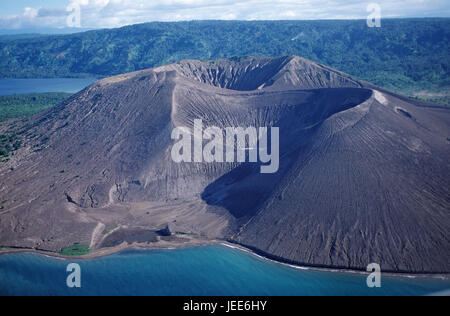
x: 13, y: 106
x: 404, y: 55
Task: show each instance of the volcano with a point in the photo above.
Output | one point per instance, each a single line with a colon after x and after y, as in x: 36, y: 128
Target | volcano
x: 363, y: 173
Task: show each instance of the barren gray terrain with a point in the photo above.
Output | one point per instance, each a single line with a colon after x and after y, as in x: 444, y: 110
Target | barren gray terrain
x: 364, y: 173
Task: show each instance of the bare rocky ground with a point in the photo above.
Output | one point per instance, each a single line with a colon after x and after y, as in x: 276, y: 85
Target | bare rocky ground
x: 364, y: 174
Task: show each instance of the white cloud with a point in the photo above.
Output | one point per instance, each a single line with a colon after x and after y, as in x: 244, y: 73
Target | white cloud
x: 114, y: 13
x: 30, y: 13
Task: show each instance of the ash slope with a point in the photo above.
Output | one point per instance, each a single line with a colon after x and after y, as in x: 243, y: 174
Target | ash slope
x: 363, y: 173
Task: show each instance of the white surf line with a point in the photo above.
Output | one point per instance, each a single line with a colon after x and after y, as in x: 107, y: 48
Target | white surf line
x: 303, y: 268
x: 240, y: 248
x: 52, y: 257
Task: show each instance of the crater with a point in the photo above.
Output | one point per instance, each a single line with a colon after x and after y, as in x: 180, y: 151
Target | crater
x: 240, y: 74
x: 403, y: 112
x: 258, y: 73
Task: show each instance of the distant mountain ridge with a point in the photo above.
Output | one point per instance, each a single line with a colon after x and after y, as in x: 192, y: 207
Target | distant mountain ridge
x: 405, y: 55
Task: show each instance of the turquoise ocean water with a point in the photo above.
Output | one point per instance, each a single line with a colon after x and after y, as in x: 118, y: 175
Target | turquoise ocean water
x: 207, y: 270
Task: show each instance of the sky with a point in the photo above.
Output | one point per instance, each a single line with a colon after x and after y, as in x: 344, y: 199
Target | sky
x: 38, y: 14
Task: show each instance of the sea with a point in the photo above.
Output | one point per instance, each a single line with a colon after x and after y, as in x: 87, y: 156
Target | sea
x: 24, y: 86
x: 214, y: 270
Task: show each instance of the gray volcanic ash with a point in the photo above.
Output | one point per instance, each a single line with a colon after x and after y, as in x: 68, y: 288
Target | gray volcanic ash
x: 363, y: 177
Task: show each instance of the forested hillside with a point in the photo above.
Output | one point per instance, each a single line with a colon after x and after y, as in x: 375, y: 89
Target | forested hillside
x: 407, y: 55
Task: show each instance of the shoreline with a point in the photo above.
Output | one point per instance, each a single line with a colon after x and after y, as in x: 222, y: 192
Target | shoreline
x: 193, y: 243
x: 304, y: 267
x: 104, y: 252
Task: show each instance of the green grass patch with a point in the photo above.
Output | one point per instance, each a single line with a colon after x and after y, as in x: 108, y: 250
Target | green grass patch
x: 75, y: 250
x: 22, y: 105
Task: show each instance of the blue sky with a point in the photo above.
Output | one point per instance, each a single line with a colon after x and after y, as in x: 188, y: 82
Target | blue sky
x: 17, y: 6
x: 21, y: 14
